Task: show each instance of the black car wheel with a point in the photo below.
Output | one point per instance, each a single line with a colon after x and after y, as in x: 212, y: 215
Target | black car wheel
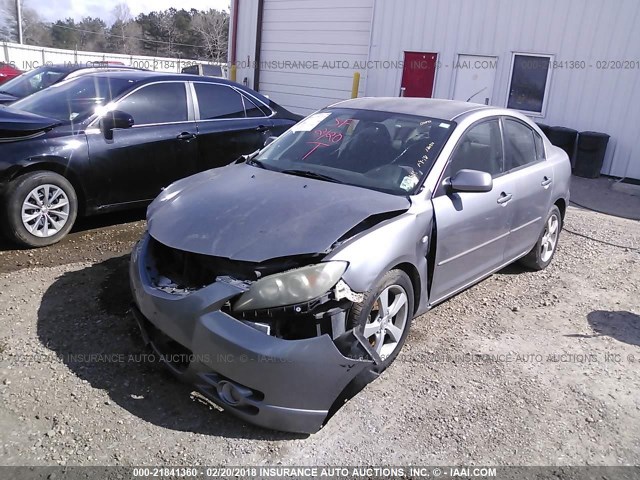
x: 384, y: 317
x: 40, y: 209
x: 542, y: 253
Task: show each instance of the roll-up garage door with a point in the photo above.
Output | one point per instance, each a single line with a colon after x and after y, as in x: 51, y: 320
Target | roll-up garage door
x: 309, y: 50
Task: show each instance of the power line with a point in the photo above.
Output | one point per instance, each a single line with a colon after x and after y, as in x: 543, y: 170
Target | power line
x: 127, y: 37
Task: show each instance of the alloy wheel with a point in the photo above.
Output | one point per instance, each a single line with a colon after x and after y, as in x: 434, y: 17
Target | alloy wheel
x: 549, y: 238
x: 45, y: 210
x: 387, y: 320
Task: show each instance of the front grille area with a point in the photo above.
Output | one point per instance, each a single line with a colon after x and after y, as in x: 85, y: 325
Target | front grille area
x: 192, y: 271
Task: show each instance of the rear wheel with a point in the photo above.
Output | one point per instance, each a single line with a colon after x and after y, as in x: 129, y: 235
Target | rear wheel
x: 384, y: 317
x: 542, y: 253
x: 40, y: 209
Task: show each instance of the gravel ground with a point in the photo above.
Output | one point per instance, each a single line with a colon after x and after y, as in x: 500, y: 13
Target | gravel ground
x: 523, y: 369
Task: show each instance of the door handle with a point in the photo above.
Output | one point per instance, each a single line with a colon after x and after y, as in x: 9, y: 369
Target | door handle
x: 504, y: 198
x: 262, y: 128
x: 186, y: 136
x: 546, y: 182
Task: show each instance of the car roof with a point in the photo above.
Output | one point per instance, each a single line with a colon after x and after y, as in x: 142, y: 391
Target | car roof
x: 148, y: 76
x: 72, y: 67
x: 151, y: 76
x: 424, y: 107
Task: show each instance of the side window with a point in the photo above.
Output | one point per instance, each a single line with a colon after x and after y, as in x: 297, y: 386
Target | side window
x: 157, y: 103
x: 519, y: 145
x: 539, y: 146
x: 252, y: 110
x: 218, y: 101
x: 480, y: 148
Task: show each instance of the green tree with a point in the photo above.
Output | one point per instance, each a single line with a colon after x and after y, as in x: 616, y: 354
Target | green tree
x: 91, y: 34
x: 64, y: 34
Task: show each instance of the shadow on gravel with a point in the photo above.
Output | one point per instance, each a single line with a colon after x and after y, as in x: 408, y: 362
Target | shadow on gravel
x: 622, y: 326
x: 513, y: 269
x: 84, y: 319
x: 84, y: 224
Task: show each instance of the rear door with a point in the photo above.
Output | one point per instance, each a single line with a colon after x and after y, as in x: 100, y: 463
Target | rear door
x: 230, y: 124
x: 159, y: 149
x: 532, y: 177
x: 471, y: 228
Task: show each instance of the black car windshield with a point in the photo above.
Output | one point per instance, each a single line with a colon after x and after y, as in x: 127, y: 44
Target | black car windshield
x: 34, y: 81
x: 383, y: 151
x: 76, y: 99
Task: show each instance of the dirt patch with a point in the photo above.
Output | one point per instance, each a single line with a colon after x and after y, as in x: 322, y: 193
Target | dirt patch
x: 92, y: 240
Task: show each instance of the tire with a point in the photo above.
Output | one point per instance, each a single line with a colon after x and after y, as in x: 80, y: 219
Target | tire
x: 545, y: 248
x: 45, y: 223
x: 382, y: 335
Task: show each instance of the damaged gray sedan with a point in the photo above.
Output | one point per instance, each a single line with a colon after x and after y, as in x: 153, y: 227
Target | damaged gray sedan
x: 280, y: 285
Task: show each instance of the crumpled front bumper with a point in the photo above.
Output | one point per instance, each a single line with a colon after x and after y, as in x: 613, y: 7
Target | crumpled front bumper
x: 287, y: 385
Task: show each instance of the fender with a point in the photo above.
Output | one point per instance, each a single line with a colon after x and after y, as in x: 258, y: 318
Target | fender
x: 368, y: 263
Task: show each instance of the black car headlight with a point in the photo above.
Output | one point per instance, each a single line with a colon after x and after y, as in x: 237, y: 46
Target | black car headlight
x: 288, y: 288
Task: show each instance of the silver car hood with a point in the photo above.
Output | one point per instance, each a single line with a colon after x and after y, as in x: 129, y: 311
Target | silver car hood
x: 246, y: 213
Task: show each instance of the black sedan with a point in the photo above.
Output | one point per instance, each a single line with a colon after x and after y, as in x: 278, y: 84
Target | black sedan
x: 42, y: 77
x: 112, y: 140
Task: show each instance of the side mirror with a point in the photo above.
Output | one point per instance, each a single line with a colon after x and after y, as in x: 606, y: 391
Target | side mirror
x: 115, y: 119
x: 269, y: 141
x: 471, y: 181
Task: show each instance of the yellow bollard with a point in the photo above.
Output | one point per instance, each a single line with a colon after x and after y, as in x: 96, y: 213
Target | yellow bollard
x: 356, y: 85
x: 232, y: 72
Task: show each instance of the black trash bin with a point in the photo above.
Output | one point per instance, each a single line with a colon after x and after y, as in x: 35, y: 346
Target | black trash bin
x: 592, y: 147
x: 544, y: 128
x: 563, y: 137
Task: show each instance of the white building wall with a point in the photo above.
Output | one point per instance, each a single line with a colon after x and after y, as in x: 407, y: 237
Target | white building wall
x: 606, y: 100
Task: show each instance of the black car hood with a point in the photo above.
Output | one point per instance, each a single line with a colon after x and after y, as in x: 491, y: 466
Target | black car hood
x: 246, y: 213
x: 6, y: 98
x: 13, y: 120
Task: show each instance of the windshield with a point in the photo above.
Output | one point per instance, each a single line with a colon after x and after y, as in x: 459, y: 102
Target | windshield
x: 383, y: 151
x: 74, y: 99
x: 33, y: 81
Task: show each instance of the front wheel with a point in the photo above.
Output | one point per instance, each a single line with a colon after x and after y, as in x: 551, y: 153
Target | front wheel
x: 40, y: 209
x: 542, y: 253
x: 384, y: 317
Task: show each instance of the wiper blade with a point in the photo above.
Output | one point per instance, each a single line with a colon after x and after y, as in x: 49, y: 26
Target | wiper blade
x: 257, y: 163
x: 310, y: 174
x: 250, y: 159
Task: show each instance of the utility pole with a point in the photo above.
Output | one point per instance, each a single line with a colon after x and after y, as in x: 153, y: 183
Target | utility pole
x: 19, y: 18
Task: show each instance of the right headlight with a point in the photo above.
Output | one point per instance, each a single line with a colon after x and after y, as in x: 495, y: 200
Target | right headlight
x: 288, y: 288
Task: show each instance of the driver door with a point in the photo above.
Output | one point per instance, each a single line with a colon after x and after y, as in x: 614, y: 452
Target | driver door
x: 159, y: 149
x: 472, y: 228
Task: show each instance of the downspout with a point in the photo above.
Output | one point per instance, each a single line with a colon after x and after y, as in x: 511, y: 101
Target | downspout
x: 256, y: 71
x: 373, y: 18
x: 234, y: 38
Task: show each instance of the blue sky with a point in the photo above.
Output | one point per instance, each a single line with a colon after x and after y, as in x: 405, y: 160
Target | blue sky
x: 60, y: 9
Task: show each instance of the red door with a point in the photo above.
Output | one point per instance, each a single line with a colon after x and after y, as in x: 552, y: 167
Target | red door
x: 418, y: 74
